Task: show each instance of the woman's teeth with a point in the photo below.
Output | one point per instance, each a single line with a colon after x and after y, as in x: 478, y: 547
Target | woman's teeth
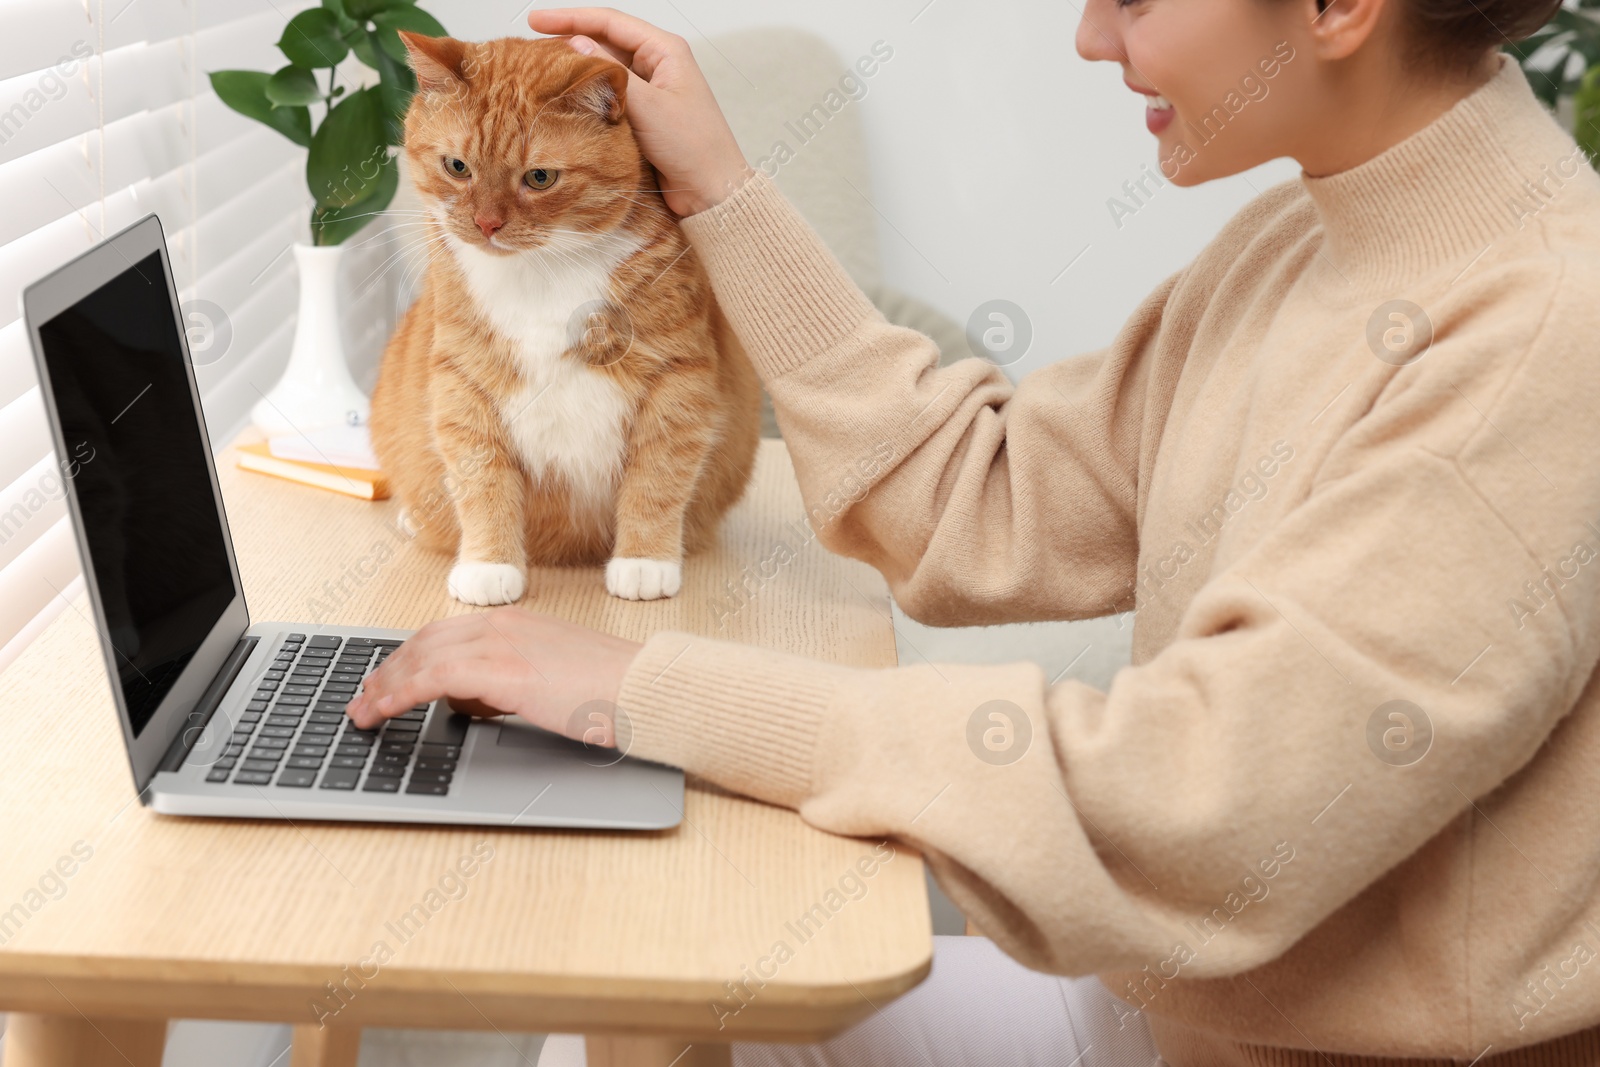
x: 1158, y: 103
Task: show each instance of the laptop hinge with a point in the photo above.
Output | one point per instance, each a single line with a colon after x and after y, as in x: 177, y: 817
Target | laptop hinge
x: 195, y: 724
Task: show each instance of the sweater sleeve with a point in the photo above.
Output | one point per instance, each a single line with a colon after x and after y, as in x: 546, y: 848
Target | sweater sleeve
x: 1331, y: 700
x: 944, y: 479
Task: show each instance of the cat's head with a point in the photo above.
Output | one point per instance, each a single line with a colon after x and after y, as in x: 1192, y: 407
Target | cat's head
x: 514, y: 144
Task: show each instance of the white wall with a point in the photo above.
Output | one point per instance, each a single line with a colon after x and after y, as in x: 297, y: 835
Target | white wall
x: 993, y: 149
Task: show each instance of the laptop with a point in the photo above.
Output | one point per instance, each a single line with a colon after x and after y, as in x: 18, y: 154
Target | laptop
x: 222, y: 715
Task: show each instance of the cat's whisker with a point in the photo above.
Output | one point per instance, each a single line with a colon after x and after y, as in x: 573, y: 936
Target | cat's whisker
x: 394, y: 259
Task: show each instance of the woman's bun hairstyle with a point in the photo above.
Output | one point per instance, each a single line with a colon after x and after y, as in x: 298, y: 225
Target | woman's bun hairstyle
x: 1454, y: 34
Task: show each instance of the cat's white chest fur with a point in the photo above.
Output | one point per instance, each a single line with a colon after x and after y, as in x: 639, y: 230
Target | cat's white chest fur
x: 567, y: 417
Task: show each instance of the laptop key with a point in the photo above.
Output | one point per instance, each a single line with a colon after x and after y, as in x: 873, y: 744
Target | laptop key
x: 256, y: 705
x: 299, y: 690
x: 272, y: 742
x: 277, y: 731
x: 387, y: 770
x: 251, y: 778
x: 233, y: 750
x: 260, y: 765
x: 430, y: 776
x: 305, y: 763
x: 297, y: 779
x: 354, y: 751
x: 296, y: 638
x: 349, y: 761
x: 327, y: 718
x: 339, y: 778
x: 446, y: 727
x: 425, y: 764
x: 218, y: 775
x: 381, y: 785
x: 274, y: 676
x: 321, y: 728
x: 309, y: 751
x: 276, y: 719
x: 430, y: 751
x: 263, y: 694
x: 295, y: 699
x: 267, y: 684
x: 436, y: 789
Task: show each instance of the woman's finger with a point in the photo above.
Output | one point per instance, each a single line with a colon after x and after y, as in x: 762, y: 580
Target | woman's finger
x: 591, y: 47
x: 456, y: 673
x: 439, y: 641
x: 646, y: 45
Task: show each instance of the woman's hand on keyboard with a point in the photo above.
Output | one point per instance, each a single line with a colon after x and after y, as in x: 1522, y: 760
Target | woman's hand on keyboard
x: 556, y: 674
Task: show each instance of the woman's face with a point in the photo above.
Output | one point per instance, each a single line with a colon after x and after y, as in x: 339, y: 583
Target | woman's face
x: 1224, y: 92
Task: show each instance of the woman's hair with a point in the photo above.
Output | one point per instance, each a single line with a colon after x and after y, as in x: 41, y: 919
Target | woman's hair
x: 1453, y: 35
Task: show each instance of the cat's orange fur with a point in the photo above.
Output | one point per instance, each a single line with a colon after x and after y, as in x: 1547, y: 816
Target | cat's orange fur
x: 565, y: 389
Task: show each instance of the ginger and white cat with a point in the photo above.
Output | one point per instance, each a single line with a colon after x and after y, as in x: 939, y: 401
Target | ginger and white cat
x: 565, y: 389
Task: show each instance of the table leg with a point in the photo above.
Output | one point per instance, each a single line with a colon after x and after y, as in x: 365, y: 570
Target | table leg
x: 611, y: 1050
x: 323, y: 1046
x: 78, y: 1041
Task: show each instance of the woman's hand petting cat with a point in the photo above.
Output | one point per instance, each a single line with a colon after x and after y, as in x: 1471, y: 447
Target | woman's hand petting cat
x: 546, y: 670
x: 675, y: 119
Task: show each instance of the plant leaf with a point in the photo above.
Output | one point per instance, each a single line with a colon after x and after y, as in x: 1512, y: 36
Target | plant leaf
x: 361, y: 10
x: 246, y: 92
x: 347, y: 153
x: 415, y: 19
x: 293, y: 86
x: 340, y: 16
x: 396, y: 85
x: 331, y: 226
x: 1586, y: 109
x: 311, y: 39
x: 360, y: 43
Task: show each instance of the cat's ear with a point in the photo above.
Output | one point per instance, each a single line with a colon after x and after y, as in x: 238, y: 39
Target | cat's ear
x: 437, y: 61
x: 601, y: 87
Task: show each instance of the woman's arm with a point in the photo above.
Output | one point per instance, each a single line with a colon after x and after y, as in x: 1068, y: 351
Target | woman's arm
x: 946, y: 480
x: 1088, y: 831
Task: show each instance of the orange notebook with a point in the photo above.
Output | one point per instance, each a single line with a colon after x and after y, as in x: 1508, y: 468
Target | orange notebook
x: 368, y: 485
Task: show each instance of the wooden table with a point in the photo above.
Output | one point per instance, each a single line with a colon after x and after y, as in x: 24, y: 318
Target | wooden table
x: 644, y: 940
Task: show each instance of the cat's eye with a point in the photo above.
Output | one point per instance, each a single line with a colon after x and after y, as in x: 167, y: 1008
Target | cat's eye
x: 540, y: 178
x: 457, y: 168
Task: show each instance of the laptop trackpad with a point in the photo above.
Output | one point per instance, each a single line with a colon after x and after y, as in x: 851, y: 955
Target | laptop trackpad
x: 516, y: 733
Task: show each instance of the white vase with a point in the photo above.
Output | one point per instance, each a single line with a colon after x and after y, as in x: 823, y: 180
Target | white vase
x: 316, y: 390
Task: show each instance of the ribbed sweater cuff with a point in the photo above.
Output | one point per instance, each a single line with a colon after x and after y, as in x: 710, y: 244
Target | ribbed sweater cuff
x: 785, y: 294
x: 746, y: 718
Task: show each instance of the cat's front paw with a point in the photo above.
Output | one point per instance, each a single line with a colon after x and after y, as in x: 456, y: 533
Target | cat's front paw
x: 485, y: 584
x: 643, y: 579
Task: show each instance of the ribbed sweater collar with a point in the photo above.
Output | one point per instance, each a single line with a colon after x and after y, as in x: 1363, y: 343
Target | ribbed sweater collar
x: 1444, y: 194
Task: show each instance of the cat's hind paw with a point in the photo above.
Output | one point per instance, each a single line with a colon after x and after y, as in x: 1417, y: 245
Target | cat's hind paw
x: 632, y: 578
x: 485, y: 584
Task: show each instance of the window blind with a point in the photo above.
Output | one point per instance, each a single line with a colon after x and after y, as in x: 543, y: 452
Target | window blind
x: 107, y: 114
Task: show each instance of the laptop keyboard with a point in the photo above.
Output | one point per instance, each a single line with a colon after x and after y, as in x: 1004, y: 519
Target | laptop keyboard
x: 294, y: 733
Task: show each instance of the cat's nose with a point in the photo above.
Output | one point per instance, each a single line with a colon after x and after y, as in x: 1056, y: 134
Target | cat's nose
x: 488, y: 224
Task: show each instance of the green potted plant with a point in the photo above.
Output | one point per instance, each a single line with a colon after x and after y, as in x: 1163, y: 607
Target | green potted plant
x: 352, y: 173
x: 1562, y: 62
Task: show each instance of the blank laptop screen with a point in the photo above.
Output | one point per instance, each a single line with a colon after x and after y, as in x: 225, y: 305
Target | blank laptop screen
x: 137, y: 462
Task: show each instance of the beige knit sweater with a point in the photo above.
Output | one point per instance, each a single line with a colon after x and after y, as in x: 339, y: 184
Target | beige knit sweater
x: 1349, y: 456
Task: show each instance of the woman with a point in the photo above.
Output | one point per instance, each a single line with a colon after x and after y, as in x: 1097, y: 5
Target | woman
x: 1343, y: 801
